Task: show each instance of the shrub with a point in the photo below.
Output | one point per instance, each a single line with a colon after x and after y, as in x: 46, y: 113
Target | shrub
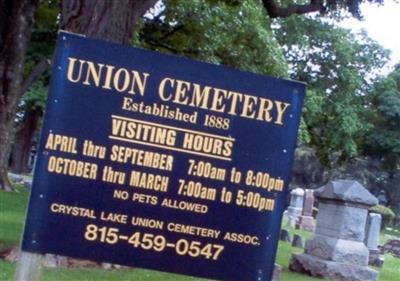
x: 386, y: 213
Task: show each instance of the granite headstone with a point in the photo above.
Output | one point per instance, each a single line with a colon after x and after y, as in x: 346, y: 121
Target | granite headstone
x: 306, y: 220
x: 372, y: 238
x: 336, y: 250
x: 296, y: 206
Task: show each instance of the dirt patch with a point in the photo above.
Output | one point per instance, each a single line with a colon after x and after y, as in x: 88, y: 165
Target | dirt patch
x: 50, y: 260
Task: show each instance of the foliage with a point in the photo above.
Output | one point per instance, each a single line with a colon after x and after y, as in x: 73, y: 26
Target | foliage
x: 333, y: 8
x: 336, y: 7
x: 44, y: 31
x: 384, y: 138
x: 36, y: 96
x: 386, y: 213
x: 40, y: 47
x: 312, y: 109
x: 339, y: 68
x: 44, y: 34
x: 33, y: 100
x: 216, y: 32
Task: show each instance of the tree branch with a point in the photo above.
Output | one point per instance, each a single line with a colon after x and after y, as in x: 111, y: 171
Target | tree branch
x: 157, y: 44
x: 35, y: 73
x: 275, y: 11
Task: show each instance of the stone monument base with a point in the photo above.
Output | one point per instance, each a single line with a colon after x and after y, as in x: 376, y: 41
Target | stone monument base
x: 336, y: 271
x: 276, y: 275
x: 375, y: 258
x: 306, y: 223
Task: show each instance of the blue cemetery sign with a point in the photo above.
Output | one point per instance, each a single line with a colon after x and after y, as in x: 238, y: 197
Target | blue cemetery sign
x: 161, y: 162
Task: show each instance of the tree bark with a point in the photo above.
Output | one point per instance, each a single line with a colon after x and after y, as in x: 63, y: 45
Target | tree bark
x: 112, y: 20
x: 37, y: 70
x: 15, y: 31
x: 23, y: 141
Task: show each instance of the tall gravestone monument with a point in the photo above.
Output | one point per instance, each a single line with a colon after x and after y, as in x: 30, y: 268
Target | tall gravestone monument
x: 337, y: 250
x: 306, y: 220
x: 296, y: 206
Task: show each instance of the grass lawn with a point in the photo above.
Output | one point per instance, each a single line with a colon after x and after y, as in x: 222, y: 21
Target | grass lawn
x: 12, y: 212
x: 12, y: 216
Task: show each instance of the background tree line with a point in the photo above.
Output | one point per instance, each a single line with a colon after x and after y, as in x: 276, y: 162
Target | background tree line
x: 351, y: 115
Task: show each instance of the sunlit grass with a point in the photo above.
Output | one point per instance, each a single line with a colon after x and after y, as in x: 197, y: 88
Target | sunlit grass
x: 12, y: 215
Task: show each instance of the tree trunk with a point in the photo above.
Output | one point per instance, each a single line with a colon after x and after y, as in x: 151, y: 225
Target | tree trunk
x: 112, y: 20
x: 23, y: 141
x: 15, y: 31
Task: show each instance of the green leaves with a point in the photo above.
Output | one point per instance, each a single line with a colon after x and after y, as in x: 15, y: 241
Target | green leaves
x: 339, y: 68
x: 220, y: 32
x: 384, y: 137
x: 44, y: 31
x: 36, y: 96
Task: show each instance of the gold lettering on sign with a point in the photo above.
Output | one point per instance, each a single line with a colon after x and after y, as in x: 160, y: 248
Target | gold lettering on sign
x: 147, y: 133
x: 61, y: 143
x: 222, y: 100
x: 149, y: 181
x: 107, y: 77
x: 133, y: 82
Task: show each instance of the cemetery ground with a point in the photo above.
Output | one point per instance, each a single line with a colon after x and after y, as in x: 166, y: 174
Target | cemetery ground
x: 12, y: 213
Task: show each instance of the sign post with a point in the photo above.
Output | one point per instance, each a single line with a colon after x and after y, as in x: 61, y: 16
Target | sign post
x: 28, y: 267
x: 161, y: 162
